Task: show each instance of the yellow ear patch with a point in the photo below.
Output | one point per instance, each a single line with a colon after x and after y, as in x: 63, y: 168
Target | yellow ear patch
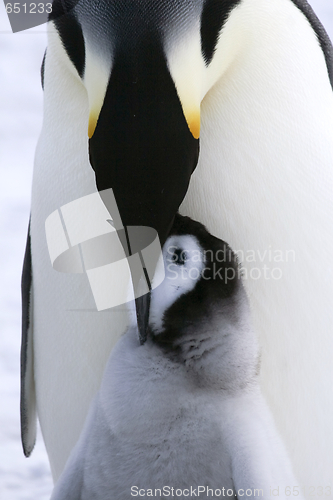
x: 96, y: 78
x: 93, y: 119
x: 193, y: 122
x: 188, y: 70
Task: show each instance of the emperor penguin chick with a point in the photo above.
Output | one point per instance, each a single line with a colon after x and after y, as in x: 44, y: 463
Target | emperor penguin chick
x: 183, y: 415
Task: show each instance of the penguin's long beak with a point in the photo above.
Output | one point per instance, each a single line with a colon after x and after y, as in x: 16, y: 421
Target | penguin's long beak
x: 143, y: 146
x: 142, y: 305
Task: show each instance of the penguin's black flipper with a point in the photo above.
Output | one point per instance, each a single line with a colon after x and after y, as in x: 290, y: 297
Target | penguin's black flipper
x: 28, y: 395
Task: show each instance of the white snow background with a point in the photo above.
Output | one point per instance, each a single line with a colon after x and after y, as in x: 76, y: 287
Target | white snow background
x: 21, y: 118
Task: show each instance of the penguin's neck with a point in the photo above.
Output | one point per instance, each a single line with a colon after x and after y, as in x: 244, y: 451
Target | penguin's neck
x: 218, y: 354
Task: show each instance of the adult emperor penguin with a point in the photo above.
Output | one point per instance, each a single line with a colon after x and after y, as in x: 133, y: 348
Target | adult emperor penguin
x: 183, y: 414
x: 145, y: 79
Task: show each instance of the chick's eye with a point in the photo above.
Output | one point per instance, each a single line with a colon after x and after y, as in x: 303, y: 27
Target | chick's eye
x: 179, y: 257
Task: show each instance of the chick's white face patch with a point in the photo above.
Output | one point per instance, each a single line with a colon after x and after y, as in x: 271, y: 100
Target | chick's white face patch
x: 184, y: 262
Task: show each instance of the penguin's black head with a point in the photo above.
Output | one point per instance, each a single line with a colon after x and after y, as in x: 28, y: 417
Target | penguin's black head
x: 146, y: 67
x: 199, y: 315
x: 202, y: 275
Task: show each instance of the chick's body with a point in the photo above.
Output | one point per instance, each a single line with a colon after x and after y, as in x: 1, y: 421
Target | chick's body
x: 183, y: 415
